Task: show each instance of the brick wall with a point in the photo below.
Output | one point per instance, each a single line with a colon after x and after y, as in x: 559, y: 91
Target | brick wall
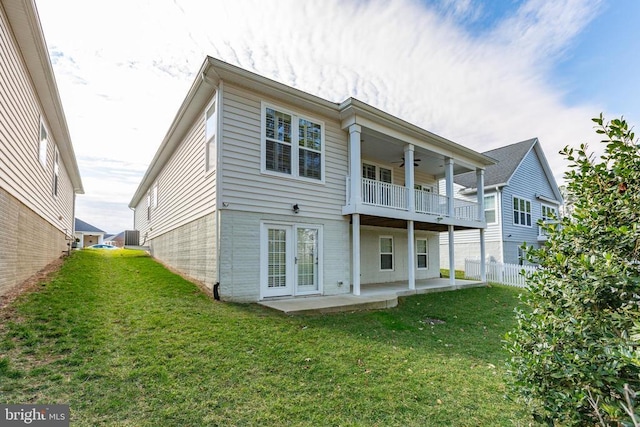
x: 28, y: 243
x: 190, y: 249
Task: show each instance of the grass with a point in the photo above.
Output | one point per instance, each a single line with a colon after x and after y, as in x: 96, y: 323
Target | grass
x: 124, y: 342
x: 444, y: 272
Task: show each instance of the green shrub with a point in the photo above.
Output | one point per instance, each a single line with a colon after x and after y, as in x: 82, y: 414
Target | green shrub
x: 576, y: 346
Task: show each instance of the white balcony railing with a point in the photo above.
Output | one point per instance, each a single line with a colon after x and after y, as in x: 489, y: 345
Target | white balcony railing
x: 382, y: 194
x: 430, y: 203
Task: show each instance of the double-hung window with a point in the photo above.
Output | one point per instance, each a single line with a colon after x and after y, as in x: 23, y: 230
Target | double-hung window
x: 292, y: 145
x: 521, y: 212
x: 490, y: 208
x: 42, y: 146
x: 549, y: 213
x: 422, y: 254
x: 386, y: 253
x: 56, y: 171
x: 211, y: 135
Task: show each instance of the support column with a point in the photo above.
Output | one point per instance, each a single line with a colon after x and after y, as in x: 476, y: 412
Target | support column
x: 481, y: 218
x: 409, y: 177
x: 411, y: 251
x: 355, y: 253
x: 355, y: 165
x: 480, y: 187
x: 452, y: 260
x: 483, y: 258
x: 448, y: 175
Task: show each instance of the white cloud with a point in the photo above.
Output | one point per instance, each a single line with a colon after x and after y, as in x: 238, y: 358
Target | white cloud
x: 123, y: 70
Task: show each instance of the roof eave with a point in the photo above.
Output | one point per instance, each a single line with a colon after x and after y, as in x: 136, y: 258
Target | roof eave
x: 36, y: 56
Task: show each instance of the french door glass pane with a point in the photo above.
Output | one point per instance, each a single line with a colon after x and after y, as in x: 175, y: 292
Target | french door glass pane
x: 307, y: 258
x: 277, y: 258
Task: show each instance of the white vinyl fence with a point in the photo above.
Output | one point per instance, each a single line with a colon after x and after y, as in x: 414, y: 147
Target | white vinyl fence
x: 497, y: 272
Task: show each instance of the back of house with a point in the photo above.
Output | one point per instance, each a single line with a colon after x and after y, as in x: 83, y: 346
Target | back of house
x: 39, y: 176
x: 260, y: 190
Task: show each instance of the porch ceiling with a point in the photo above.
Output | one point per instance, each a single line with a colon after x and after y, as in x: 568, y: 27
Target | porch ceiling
x: 377, y: 221
x: 386, y: 149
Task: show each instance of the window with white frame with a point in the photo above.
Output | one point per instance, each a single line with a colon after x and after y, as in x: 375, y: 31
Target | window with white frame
x: 377, y: 173
x: 293, y: 145
x: 211, y: 135
x: 521, y: 212
x: 148, y: 207
x: 549, y: 213
x: 155, y: 196
x: 422, y: 254
x: 42, y: 146
x: 386, y: 253
x: 423, y: 187
x: 490, y: 208
x: 56, y: 171
x: 522, y: 256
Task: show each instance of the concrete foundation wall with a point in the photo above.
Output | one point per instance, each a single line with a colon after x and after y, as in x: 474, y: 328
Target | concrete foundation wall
x: 190, y: 249
x: 28, y: 242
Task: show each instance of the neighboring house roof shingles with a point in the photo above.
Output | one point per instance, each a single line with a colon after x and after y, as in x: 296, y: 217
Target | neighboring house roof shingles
x: 508, y: 157
x: 86, y: 227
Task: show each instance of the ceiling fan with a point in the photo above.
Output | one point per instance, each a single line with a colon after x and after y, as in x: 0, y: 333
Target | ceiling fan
x: 416, y: 162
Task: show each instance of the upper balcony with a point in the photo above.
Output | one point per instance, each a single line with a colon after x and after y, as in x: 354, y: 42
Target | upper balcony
x: 390, y: 163
x: 392, y: 196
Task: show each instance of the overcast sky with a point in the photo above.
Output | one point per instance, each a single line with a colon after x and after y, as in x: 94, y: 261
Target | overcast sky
x: 481, y: 73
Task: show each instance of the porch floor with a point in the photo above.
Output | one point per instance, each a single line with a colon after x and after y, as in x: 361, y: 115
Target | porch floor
x: 372, y: 297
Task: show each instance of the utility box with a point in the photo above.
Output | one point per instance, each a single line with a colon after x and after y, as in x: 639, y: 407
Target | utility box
x: 132, y: 238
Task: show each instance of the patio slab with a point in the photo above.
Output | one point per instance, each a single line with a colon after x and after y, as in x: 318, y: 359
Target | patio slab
x: 372, y: 297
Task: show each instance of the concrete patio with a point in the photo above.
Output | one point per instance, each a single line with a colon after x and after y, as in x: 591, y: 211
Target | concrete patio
x: 372, y: 297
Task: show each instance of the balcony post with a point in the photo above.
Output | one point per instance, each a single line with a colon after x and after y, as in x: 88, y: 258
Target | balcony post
x: 448, y: 175
x: 355, y: 162
x: 411, y: 250
x: 409, y: 177
x: 481, y: 217
x: 480, y: 187
x: 355, y: 253
x: 452, y: 256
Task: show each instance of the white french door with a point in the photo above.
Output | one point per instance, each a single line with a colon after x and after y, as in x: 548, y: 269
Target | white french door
x: 290, y: 260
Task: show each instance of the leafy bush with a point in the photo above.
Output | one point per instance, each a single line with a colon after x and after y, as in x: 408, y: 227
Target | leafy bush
x: 576, y: 345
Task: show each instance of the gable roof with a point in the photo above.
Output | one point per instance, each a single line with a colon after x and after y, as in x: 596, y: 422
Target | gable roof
x: 509, y: 159
x: 80, y: 225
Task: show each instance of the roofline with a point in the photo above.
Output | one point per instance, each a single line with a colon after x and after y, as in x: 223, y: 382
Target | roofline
x: 355, y: 107
x: 535, y: 145
x: 39, y: 67
x: 214, y: 71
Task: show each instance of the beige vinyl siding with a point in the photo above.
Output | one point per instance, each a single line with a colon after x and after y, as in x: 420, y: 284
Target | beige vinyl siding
x: 240, y: 253
x: 370, y: 255
x: 186, y: 191
x: 245, y: 188
x: 21, y: 173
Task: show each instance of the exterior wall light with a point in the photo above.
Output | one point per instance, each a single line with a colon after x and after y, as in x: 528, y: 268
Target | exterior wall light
x: 296, y: 208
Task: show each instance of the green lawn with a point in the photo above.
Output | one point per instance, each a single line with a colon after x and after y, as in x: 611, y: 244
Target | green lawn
x: 127, y: 343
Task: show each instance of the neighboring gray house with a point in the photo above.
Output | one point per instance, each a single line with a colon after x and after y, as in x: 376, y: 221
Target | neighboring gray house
x: 39, y: 176
x: 518, y: 191
x: 269, y: 191
x: 87, y: 234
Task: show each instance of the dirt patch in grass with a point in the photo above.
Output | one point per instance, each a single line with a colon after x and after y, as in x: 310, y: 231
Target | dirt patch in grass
x: 32, y: 284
